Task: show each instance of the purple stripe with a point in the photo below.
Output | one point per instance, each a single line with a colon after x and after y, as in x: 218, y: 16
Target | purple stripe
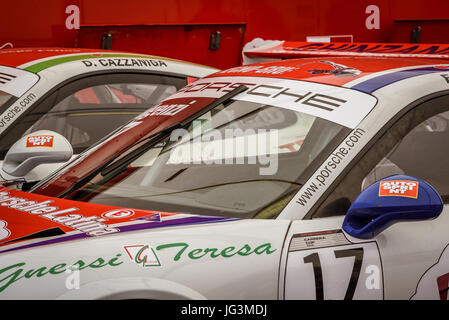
x: 175, y: 222
x: 373, y: 84
x: 141, y: 226
x: 51, y: 241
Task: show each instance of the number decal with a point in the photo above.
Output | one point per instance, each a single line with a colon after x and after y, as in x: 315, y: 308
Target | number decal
x: 357, y: 253
x: 326, y: 265
x: 314, y: 258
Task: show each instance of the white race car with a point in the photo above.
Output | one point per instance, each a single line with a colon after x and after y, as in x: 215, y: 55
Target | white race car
x: 83, y: 94
x: 310, y: 178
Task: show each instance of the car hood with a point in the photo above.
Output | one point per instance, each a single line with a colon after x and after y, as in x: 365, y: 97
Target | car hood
x: 30, y: 220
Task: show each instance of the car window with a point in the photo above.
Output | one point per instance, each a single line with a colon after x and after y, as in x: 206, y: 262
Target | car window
x: 86, y: 110
x: 77, y: 117
x: 416, y: 145
x: 421, y: 153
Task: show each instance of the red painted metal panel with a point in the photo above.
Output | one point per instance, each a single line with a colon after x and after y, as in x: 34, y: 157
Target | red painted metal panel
x: 432, y: 31
x: 43, y: 23
x: 186, y: 42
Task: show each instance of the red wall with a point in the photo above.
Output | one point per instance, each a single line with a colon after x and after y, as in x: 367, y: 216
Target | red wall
x: 42, y: 23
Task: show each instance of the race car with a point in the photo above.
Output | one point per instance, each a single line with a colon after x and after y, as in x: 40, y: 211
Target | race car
x: 82, y: 94
x: 264, y: 181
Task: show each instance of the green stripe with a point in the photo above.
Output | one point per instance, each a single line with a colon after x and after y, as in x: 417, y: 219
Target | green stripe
x: 53, y: 62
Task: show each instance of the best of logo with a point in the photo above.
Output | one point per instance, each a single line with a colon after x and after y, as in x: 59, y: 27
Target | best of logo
x: 399, y: 188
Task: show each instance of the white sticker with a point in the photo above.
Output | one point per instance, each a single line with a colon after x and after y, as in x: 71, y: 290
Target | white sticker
x: 337, y: 104
x: 16, y: 81
x: 325, y: 265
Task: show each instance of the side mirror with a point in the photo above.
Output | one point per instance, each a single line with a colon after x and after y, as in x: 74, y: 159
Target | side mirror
x: 36, y: 148
x: 390, y: 200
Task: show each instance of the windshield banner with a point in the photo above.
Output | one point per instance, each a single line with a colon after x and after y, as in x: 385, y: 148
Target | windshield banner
x: 340, y: 105
x: 16, y: 81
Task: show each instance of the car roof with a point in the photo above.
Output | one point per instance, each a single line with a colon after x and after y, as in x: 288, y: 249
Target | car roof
x: 336, y: 70
x: 25, y: 58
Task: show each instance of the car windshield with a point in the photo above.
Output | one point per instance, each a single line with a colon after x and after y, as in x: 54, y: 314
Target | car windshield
x: 221, y: 146
x: 240, y: 159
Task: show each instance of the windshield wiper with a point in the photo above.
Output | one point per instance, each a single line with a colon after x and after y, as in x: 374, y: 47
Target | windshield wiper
x: 220, y: 185
x: 120, y: 165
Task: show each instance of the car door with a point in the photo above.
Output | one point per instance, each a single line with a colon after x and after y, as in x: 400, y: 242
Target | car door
x: 87, y: 109
x: 408, y: 259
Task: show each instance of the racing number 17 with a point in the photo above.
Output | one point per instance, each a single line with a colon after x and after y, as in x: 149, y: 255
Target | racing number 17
x: 314, y: 259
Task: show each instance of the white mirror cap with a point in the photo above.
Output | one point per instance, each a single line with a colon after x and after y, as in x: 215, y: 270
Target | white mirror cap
x: 43, y: 146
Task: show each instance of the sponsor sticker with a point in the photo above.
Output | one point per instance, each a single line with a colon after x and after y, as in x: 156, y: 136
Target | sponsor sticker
x: 124, y: 62
x: 399, y: 188
x: 168, y: 109
x: 337, y: 70
x: 143, y: 254
x: 91, y: 225
x: 315, y: 240
x: 118, y: 214
x: 16, y: 272
x: 40, y: 141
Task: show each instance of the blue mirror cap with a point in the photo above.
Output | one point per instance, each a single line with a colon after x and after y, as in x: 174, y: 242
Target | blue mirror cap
x: 390, y: 200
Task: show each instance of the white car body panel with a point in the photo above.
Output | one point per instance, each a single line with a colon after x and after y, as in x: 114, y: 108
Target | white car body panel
x: 261, y: 280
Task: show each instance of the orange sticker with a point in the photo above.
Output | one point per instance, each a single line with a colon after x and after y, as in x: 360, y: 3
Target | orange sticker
x: 399, y: 188
x: 40, y: 141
